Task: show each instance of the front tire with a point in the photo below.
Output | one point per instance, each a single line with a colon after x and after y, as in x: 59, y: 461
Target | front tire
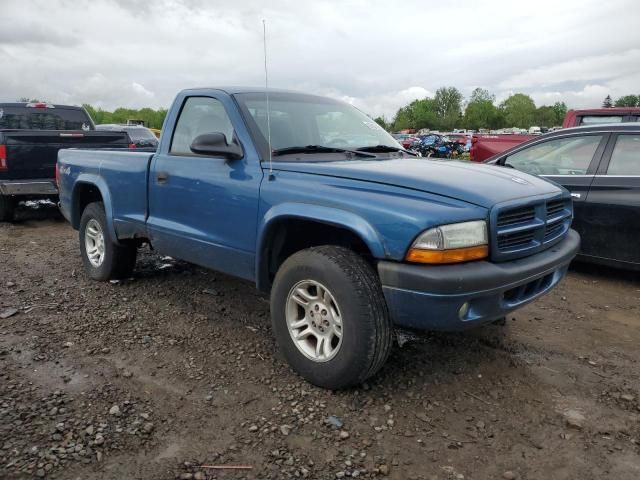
x: 7, y: 208
x: 103, y: 259
x: 330, y: 318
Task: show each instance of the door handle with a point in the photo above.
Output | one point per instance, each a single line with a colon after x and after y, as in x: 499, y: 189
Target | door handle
x: 162, y: 177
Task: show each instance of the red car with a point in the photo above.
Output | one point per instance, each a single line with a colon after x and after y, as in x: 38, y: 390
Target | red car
x: 593, y: 116
x: 405, y: 139
x: 487, y: 145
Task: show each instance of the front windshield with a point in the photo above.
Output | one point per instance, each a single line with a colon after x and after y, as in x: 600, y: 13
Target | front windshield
x: 299, y: 120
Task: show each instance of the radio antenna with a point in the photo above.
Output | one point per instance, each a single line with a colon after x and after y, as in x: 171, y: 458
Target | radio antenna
x: 266, y: 94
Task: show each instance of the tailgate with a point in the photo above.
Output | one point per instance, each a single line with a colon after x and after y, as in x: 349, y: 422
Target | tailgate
x: 33, y: 153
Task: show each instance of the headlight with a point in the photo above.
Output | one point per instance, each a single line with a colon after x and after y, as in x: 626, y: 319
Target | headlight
x: 454, y: 243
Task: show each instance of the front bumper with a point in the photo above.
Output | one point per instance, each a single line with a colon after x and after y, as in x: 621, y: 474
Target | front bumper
x: 456, y: 297
x: 35, y: 187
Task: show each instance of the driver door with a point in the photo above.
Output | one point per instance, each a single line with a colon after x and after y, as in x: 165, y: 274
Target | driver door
x: 570, y: 161
x: 202, y: 208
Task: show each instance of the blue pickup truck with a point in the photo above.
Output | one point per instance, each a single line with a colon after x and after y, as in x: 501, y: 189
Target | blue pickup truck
x: 312, y: 201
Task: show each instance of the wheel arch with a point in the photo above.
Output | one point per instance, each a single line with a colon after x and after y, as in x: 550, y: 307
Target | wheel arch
x: 278, y: 235
x: 88, y: 189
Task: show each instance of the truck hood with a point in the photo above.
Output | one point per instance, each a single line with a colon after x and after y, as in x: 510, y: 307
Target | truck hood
x: 480, y: 184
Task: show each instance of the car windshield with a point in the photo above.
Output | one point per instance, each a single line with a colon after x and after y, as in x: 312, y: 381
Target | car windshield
x: 299, y: 120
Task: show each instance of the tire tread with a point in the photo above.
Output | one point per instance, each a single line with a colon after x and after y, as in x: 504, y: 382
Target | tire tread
x: 120, y: 261
x: 369, y: 300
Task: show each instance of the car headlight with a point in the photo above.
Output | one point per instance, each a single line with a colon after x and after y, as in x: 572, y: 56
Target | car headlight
x: 453, y: 243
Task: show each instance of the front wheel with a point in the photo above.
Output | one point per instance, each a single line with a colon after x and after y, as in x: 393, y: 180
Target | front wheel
x: 330, y: 318
x: 103, y: 259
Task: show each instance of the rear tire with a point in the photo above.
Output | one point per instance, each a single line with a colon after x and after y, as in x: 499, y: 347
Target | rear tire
x: 103, y: 259
x: 7, y: 208
x: 350, y: 290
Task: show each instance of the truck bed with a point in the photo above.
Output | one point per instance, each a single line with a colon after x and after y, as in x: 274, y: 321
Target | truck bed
x: 124, y: 170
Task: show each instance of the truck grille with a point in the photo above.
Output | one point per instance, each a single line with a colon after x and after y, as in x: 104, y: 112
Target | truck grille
x: 526, y: 229
x: 515, y: 216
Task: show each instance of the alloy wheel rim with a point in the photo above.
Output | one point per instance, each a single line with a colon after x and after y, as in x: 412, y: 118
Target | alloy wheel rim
x: 314, y: 320
x: 94, y: 242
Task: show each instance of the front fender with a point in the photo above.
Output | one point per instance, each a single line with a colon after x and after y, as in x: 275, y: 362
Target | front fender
x: 99, y: 183
x: 317, y: 213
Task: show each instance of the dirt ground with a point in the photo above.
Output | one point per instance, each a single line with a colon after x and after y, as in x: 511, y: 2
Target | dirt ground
x: 153, y: 377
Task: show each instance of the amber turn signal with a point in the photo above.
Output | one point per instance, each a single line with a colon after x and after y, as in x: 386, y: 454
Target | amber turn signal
x: 456, y: 255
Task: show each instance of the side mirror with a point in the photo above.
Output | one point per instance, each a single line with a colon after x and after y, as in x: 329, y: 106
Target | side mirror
x: 215, y: 144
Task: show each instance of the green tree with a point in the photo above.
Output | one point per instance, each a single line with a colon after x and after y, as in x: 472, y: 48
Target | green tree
x: 404, y: 118
x: 152, y: 118
x: 560, y: 109
x: 519, y: 110
x: 418, y: 114
x: 628, y: 101
x: 481, y: 111
x: 382, y: 122
x: 481, y: 94
x: 545, y: 116
x: 425, y: 114
x: 447, y: 105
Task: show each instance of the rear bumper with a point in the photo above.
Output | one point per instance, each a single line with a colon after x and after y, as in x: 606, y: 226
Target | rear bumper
x: 43, y: 187
x: 456, y: 297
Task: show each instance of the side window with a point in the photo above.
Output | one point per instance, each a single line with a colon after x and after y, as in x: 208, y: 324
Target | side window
x: 562, y: 156
x: 199, y: 115
x: 625, y: 158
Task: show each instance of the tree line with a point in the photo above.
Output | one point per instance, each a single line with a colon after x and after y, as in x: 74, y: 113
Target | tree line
x: 152, y: 118
x: 447, y: 110
x: 624, y: 101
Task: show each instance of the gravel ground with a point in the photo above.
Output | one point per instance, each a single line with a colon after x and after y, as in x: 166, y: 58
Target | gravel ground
x: 154, y: 377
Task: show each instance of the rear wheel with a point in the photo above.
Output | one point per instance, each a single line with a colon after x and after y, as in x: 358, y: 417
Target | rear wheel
x: 7, y: 207
x: 330, y: 318
x: 103, y: 259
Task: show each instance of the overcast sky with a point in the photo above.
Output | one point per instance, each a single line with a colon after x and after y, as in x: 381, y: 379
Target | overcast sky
x: 376, y: 54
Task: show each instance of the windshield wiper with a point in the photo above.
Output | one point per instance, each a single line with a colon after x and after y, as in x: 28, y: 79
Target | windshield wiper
x: 318, y: 149
x: 384, y: 148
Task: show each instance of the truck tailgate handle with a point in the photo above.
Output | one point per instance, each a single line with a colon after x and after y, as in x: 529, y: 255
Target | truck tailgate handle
x: 162, y: 177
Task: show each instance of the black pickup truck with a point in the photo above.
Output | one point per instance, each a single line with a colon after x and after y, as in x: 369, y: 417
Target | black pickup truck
x: 30, y: 136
